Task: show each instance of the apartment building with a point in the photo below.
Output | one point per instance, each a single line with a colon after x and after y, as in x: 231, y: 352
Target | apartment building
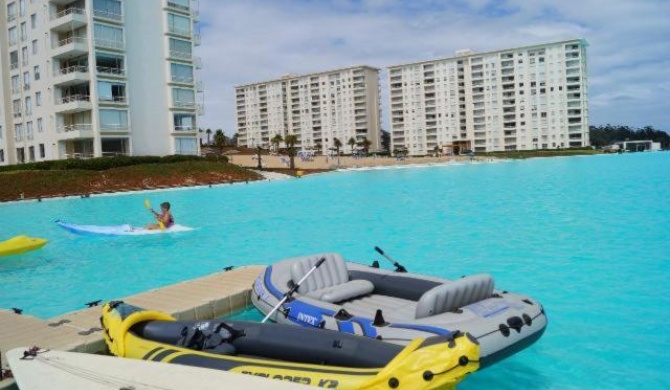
x: 524, y: 98
x: 317, y: 107
x: 91, y: 78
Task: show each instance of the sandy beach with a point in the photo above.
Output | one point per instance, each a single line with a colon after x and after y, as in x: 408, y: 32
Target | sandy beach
x: 344, y: 162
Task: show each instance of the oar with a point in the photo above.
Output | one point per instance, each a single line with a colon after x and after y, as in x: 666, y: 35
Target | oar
x: 148, y: 206
x: 294, y: 289
x: 398, y: 267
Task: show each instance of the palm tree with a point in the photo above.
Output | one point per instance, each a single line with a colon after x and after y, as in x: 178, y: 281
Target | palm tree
x: 352, y: 143
x: 219, y: 139
x: 259, y: 149
x: 436, y: 149
x: 290, y: 140
x: 338, y: 144
x: 209, y: 133
x: 276, y: 140
x: 366, y: 145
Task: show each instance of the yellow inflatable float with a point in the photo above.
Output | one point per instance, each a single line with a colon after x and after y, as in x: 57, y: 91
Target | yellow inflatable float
x: 315, y: 357
x: 20, y: 244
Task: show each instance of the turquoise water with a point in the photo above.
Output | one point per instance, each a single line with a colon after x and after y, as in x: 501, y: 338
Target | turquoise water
x: 589, y: 237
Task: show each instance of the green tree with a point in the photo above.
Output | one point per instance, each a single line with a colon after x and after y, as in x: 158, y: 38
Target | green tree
x: 290, y: 140
x: 276, y: 140
x: 209, y: 133
x: 337, y: 144
x: 219, y: 139
x: 352, y: 143
x: 365, y: 144
x: 259, y: 150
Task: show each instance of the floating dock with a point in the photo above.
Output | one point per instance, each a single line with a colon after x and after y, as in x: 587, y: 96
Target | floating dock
x: 205, y: 298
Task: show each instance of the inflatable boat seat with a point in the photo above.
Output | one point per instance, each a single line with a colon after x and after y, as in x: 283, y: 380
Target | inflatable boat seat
x: 449, y: 296
x: 330, y: 282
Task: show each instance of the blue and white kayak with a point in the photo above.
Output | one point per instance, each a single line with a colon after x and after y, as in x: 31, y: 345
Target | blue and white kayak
x: 118, y: 230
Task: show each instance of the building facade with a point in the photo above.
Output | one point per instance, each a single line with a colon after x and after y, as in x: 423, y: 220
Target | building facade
x: 91, y: 78
x: 525, y: 98
x: 316, y: 107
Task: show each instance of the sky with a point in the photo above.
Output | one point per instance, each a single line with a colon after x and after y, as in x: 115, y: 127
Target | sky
x: 247, y: 41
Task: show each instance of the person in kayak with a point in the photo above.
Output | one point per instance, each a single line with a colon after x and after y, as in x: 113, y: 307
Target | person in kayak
x: 165, y: 217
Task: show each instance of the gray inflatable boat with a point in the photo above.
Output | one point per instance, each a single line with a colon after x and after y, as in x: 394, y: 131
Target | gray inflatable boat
x: 398, y: 307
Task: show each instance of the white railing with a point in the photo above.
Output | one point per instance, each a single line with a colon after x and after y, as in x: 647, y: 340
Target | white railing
x: 109, y: 43
x: 115, y: 127
x: 74, y: 98
x: 182, y: 79
x: 69, y: 11
x: 71, y: 69
x: 111, y: 71
x: 184, y: 104
x: 197, y: 40
x: 112, y: 99
x: 178, y: 6
x: 186, y: 32
x: 70, y: 40
x: 185, y: 129
x: 114, y: 154
x: 14, y: 65
x: 76, y: 155
x: 11, y: 17
x: 75, y: 127
x: 181, y: 55
x: 107, y: 15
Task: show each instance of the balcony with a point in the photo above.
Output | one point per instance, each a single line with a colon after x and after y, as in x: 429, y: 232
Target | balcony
x: 181, y: 32
x: 181, y: 55
x: 109, y: 44
x: 73, y: 103
x: 106, y: 71
x: 197, y: 40
x: 72, y: 132
x: 76, y: 74
x: 68, y: 20
x: 176, y: 6
x: 190, y: 130
x: 113, y: 100
x: 107, y: 16
x: 70, y: 47
x: 119, y: 128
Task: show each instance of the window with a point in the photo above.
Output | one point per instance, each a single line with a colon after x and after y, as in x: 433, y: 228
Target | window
x: 13, y: 60
x: 24, y: 32
x: 108, y: 36
x: 29, y: 130
x: 179, y: 24
x: 183, y: 97
x: 33, y: 21
x: 114, y: 119
x: 38, y: 98
x: 35, y: 45
x: 181, y: 73
x: 40, y: 125
x: 15, y: 84
x: 24, y: 55
x: 22, y: 7
x: 42, y: 154
x: 16, y: 107
x: 2, y: 155
x: 26, y: 80
x: 18, y: 132
x: 20, y: 155
x: 110, y: 9
x: 36, y: 72
x: 111, y: 92
x: 11, y: 11
x: 183, y: 145
x: 31, y: 153
x: 12, y: 36
x: 180, y: 49
x: 29, y: 105
x: 184, y: 122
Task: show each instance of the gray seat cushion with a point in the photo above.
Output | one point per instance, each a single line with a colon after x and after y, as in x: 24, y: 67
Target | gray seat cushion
x: 331, y: 273
x: 343, y: 292
x: 452, y: 295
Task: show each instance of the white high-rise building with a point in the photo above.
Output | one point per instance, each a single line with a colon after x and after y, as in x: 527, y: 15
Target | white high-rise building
x: 317, y: 107
x: 532, y: 97
x: 90, y: 78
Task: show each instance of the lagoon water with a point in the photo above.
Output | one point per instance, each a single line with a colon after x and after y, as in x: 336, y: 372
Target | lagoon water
x: 589, y: 237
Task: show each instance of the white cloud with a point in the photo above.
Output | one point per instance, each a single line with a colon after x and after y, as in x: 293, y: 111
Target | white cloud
x: 247, y: 41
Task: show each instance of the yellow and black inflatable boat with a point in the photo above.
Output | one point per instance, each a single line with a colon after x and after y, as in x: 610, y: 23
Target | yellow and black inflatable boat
x: 316, y: 357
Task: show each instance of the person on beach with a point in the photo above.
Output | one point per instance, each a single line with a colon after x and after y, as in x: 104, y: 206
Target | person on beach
x: 165, y: 218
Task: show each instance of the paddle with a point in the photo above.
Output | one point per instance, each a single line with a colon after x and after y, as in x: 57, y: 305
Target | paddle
x: 398, y: 267
x: 294, y: 289
x: 161, y: 224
